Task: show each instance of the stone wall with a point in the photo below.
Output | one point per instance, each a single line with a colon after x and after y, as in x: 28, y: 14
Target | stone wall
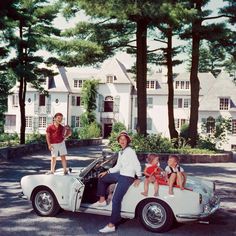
x: 194, y: 158
x: 8, y: 153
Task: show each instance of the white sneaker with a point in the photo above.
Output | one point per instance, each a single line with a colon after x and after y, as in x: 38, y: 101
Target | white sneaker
x: 98, y: 204
x: 107, y: 229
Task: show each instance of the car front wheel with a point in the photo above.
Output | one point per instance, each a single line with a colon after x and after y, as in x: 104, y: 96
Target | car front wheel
x: 44, y: 202
x: 155, y: 215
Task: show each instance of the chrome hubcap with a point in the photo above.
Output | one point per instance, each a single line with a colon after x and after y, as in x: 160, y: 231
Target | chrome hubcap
x: 44, y: 202
x: 154, y: 215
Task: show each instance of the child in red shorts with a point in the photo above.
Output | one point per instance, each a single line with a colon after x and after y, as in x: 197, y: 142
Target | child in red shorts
x: 153, y: 174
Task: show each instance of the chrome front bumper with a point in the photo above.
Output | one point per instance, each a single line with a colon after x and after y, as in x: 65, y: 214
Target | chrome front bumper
x: 209, y: 209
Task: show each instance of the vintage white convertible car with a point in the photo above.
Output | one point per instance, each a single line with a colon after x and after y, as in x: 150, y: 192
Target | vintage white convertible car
x: 76, y: 191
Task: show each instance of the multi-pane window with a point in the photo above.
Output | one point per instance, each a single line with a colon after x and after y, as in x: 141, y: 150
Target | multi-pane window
x: 224, y: 103
x: 108, y: 104
x: 42, y: 100
x: 187, y: 85
x: 182, y: 102
x: 182, y: 85
x: 180, y: 122
x: 28, y: 121
x: 233, y: 126
x: 178, y: 102
x: 152, y: 84
x: 149, y: 123
x: 15, y: 100
x: 75, y: 121
x: 42, y: 122
x: 186, y: 103
x: 10, y: 120
x: 176, y: 84
x: 109, y: 79
x: 78, y: 83
x: 210, y: 125
x: 76, y: 101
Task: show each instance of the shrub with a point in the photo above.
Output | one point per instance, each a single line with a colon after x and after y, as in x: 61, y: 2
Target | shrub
x: 9, y: 139
x: 35, y: 138
x: 92, y: 130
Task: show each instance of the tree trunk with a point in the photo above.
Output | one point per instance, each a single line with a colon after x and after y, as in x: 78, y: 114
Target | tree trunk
x: 22, y: 88
x: 141, y: 82
x: 172, y: 130
x: 194, y: 82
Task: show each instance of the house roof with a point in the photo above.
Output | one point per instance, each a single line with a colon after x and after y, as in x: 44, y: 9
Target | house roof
x: 222, y: 87
x: 206, y: 81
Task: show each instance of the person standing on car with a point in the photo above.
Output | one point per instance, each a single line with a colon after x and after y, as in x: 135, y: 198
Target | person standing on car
x: 123, y: 173
x: 55, y: 136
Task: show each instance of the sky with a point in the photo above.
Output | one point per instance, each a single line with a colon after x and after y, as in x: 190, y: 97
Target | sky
x: 127, y: 59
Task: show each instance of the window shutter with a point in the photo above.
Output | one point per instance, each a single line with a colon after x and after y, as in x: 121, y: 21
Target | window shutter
x: 36, y: 104
x: 149, y: 123
x: 100, y: 103
x: 150, y: 102
x: 72, y: 121
x: 117, y: 104
x: 36, y: 123
x: 49, y: 104
x: 72, y: 100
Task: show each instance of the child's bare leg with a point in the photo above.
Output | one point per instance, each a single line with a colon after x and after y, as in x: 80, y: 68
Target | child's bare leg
x: 156, y: 188
x: 53, y: 164
x: 172, y: 180
x: 180, y: 180
x: 64, y: 163
x: 146, y: 184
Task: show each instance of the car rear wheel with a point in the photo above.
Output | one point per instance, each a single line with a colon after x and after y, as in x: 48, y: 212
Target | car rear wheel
x: 44, y: 202
x: 155, y: 215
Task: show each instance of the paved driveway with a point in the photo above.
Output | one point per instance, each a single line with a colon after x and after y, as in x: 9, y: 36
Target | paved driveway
x: 18, y: 218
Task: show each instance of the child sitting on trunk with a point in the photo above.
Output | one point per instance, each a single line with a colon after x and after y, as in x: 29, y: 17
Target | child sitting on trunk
x: 175, y: 174
x: 153, y: 174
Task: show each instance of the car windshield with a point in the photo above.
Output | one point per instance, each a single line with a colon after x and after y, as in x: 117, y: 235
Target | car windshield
x: 106, y: 162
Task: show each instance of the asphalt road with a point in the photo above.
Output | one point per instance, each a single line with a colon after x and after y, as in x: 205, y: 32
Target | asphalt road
x: 18, y: 218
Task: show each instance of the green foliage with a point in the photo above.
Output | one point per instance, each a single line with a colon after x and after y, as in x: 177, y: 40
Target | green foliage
x: 92, y: 130
x: 184, y: 131
x: 89, y: 94
x: 9, y: 139
x: 75, y: 134
x: 151, y: 143
x: 35, y: 138
x: 118, y: 127
x: 218, y: 136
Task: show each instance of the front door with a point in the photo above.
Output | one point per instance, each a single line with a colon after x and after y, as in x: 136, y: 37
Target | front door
x: 76, y: 194
x: 107, y: 130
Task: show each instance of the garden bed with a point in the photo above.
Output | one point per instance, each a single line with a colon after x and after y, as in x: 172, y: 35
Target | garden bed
x: 185, y: 158
x: 8, y: 153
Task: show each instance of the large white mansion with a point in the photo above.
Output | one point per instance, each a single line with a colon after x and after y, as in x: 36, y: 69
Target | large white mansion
x: 117, y: 101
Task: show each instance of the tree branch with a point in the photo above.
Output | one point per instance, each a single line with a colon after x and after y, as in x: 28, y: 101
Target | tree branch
x: 215, y: 17
x: 161, y: 41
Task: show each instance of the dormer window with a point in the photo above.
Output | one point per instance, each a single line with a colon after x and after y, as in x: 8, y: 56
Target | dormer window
x: 224, y: 104
x: 152, y: 84
x: 182, y: 85
x: 110, y: 79
x: 78, y: 83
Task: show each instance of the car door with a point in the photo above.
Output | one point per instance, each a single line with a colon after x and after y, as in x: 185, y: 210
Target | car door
x: 76, y: 194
